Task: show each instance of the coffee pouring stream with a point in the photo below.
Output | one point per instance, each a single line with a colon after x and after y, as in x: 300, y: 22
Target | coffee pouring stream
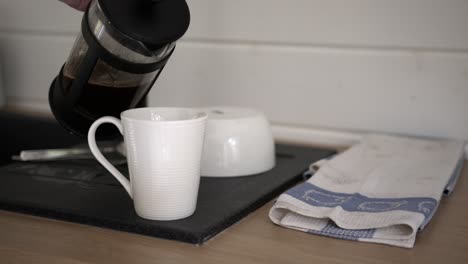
x: 122, y: 48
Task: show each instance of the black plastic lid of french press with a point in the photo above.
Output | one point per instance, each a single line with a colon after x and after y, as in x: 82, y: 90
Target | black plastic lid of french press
x: 153, y: 22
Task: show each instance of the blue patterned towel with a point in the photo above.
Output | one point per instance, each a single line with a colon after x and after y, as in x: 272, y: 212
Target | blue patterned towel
x: 382, y: 190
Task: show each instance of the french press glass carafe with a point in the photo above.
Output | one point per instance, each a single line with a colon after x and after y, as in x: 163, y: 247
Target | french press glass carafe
x: 121, y: 50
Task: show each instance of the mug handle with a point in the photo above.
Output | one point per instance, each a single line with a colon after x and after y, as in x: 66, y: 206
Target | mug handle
x: 98, y: 155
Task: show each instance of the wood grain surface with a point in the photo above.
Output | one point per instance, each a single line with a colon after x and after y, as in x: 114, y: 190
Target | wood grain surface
x: 28, y: 239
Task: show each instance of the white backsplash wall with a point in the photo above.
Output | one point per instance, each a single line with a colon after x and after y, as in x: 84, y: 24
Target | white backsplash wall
x: 318, y: 68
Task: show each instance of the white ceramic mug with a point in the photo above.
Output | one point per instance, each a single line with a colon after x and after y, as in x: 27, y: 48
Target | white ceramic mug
x: 164, y: 148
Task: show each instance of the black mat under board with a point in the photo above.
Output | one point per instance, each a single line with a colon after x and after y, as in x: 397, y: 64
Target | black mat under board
x: 83, y: 192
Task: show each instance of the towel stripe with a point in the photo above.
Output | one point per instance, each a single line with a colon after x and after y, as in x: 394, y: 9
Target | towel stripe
x: 355, y: 202
x: 332, y: 230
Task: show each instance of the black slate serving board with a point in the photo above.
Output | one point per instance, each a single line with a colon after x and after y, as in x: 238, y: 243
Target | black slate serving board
x: 82, y: 191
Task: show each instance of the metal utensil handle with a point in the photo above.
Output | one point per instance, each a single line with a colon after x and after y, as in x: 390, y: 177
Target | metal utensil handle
x: 55, y: 154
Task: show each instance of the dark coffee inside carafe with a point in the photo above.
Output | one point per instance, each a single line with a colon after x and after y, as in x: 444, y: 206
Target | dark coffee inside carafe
x: 108, y: 91
x: 105, y: 100
x: 97, y: 100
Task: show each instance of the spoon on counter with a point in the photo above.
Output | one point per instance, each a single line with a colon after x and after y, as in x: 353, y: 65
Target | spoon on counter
x: 79, y: 152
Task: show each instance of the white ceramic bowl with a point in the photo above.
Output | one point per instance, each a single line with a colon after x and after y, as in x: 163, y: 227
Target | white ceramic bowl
x: 238, y: 142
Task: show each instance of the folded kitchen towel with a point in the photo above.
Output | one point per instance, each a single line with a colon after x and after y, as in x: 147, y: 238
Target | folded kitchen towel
x: 382, y: 190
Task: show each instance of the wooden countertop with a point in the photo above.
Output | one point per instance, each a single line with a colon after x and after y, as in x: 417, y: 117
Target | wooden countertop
x: 28, y: 239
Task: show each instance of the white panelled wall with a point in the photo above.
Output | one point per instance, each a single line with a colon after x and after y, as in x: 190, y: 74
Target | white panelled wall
x: 324, y: 71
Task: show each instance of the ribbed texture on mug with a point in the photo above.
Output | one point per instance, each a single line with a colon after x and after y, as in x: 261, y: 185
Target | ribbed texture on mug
x: 164, y: 164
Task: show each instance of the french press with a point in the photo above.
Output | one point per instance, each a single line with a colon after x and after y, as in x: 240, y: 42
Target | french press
x: 115, y: 60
